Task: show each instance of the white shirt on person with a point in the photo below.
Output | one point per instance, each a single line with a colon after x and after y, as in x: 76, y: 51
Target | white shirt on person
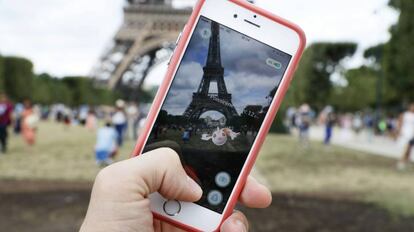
x: 119, y: 118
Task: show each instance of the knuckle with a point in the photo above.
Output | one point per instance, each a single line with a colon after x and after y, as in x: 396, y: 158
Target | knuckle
x: 169, y: 154
x: 105, y: 175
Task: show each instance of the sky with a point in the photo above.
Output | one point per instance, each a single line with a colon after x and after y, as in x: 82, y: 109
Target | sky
x: 67, y: 37
x: 249, y: 80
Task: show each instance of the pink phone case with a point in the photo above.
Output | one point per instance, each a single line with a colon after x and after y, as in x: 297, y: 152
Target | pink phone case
x: 163, y: 89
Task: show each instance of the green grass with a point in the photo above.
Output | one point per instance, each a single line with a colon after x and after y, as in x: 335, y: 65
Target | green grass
x: 336, y: 172
x: 60, y: 153
x: 67, y: 154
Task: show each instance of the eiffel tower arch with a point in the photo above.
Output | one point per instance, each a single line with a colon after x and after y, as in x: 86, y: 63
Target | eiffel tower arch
x: 146, y: 38
x: 203, y: 100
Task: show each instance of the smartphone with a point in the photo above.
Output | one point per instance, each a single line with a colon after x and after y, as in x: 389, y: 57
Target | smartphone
x: 226, y: 79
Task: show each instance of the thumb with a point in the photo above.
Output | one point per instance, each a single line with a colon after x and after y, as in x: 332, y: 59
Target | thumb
x: 160, y: 171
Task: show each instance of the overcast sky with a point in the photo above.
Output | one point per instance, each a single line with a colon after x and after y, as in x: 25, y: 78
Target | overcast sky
x: 250, y: 71
x: 67, y: 37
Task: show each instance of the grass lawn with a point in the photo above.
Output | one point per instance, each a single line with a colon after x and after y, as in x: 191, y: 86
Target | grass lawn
x: 67, y: 154
x: 60, y: 153
x: 336, y: 172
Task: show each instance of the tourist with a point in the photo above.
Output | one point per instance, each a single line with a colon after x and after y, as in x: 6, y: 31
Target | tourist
x: 91, y: 122
x: 369, y: 125
x: 329, y: 122
x: 17, y: 118
x: 357, y: 123
x: 105, y: 148
x: 29, y: 121
x: 132, y: 121
x: 119, y: 121
x: 127, y: 208
x: 304, y: 120
x: 186, y: 135
x: 406, y: 133
x: 6, y: 109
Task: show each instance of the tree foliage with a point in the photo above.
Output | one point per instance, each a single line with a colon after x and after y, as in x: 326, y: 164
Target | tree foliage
x: 312, y: 82
x: 19, y: 82
x: 18, y: 76
x: 398, y: 59
x: 359, y: 93
x: 1, y: 74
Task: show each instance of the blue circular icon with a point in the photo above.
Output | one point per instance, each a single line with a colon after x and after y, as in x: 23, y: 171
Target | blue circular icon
x: 223, y: 179
x: 214, y: 197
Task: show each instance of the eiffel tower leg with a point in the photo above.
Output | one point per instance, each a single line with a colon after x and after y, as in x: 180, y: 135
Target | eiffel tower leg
x: 138, y: 92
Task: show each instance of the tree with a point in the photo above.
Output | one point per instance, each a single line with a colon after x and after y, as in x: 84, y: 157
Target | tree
x: 312, y: 82
x: 18, y: 75
x: 83, y: 91
x: 398, y: 59
x: 360, y: 91
x: 1, y: 74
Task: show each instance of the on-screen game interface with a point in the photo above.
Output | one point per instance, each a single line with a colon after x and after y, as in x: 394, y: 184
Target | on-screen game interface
x: 216, y: 105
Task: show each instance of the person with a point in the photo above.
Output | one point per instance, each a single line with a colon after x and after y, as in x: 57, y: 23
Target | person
x: 6, y: 109
x: 17, y: 118
x: 119, y: 121
x: 186, y: 135
x: 132, y: 120
x: 406, y: 132
x: 29, y: 120
x: 160, y: 170
x: 329, y: 126
x: 105, y: 147
x: 304, y: 122
x: 369, y: 125
x: 90, y: 122
x: 357, y: 123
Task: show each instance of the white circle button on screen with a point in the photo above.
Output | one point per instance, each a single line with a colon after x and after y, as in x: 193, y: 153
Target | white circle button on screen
x: 223, y: 179
x: 214, y: 197
x: 172, y: 207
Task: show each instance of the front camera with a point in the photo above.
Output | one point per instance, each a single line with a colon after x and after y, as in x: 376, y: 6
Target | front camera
x: 255, y: 16
x: 235, y: 16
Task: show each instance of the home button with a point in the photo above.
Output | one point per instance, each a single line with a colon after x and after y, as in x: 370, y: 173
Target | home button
x: 172, y: 207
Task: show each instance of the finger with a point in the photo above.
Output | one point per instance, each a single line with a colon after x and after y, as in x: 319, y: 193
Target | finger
x: 164, y: 173
x: 160, y: 171
x: 237, y: 222
x: 255, y: 195
x: 160, y: 226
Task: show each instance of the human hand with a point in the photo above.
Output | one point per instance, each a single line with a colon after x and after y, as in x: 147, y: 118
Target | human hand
x: 119, y: 200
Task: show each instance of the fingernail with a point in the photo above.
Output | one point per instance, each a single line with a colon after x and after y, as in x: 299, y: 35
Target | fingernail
x: 194, y: 186
x: 241, y: 226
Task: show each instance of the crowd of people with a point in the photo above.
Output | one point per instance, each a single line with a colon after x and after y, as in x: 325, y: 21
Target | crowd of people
x: 119, y: 122
x: 398, y: 127
x: 22, y: 117
x: 124, y: 120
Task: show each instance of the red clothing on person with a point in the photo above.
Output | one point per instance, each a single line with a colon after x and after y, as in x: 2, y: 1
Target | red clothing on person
x: 6, y: 109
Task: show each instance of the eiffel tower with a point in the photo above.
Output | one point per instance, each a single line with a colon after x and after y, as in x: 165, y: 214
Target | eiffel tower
x: 146, y: 38
x: 203, y: 100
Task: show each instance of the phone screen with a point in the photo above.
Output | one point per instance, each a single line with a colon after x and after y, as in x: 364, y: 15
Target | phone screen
x: 215, y: 106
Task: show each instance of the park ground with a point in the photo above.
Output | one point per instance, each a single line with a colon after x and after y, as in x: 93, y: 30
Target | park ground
x: 318, y: 188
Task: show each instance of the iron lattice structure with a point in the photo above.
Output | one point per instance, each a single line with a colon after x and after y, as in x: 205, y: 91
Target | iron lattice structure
x: 203, y: 100
x: 146, y: 38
